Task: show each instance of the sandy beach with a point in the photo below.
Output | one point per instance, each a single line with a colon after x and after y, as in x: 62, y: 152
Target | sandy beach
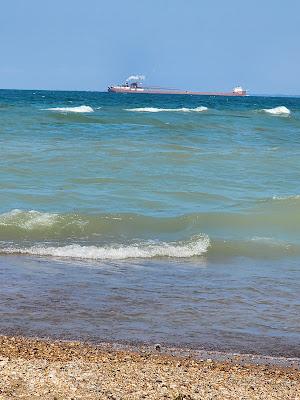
x: 42, y: 369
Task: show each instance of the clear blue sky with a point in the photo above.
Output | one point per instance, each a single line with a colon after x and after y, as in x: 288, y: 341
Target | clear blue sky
x: 191, y: 44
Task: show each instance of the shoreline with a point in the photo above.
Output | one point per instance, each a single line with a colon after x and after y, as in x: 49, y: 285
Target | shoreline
x: 52, y: 369
x: 181, y: 351
x: 276, y: 353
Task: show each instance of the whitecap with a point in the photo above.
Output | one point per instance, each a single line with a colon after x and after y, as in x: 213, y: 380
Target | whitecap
x: 196, y: 246
x: 281, y: 110
x: 28, y: 220
x: 155, y: 109
x: 79, y: 109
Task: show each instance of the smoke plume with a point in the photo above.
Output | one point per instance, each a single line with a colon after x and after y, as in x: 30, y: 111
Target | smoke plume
x: 135, y: 78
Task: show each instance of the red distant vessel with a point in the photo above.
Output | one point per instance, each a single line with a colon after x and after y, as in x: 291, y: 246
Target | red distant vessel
x: 133, y: 85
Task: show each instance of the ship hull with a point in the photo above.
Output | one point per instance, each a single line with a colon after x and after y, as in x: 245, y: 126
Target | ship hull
x: 114, y: 89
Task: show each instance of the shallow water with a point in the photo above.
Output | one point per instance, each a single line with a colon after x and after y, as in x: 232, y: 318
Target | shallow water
x: 156, y: 218
x: 229, y: 305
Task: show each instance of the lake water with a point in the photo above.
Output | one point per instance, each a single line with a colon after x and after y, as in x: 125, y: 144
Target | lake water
x: 151, y: 218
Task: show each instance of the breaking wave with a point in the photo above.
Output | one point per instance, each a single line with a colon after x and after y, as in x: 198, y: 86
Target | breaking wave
x: 79, y: 109
x: 281, y: 110
x: 196, y: 246
x: 121, y: 236
x: 33, y: 224
x: 28, y: 220
x: 36, y: 225
x: 155, y: 109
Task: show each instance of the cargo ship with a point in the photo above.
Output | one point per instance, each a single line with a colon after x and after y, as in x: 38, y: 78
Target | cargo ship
x: 135, y: 87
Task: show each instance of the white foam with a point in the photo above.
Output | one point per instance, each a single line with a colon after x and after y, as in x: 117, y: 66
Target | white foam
x: 79, y: 109
x: 197, y: 246
x: 270, y: 241
x: 28, y: 219
x: 281, y: 110
x: 154, y: 109
x: 265, y: 239
x: 291, y: 197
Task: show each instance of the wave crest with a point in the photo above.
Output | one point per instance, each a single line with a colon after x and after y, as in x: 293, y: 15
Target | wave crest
x: 155, y: 109
x: 281, y: 110
x: 28, y: 220
x: 79, y: 109
x: 17, y: 224
x: 196, y: 246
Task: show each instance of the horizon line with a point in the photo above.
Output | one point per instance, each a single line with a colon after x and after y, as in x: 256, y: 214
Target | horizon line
x: 105, y: 91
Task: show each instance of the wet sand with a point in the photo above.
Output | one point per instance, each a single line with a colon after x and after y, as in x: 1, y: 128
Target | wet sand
x: 44, y: 369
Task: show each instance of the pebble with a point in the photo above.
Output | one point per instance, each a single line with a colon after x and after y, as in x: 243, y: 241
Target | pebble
x: 65, y: 371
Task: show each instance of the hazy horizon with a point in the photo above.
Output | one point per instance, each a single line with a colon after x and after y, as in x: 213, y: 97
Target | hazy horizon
x: 74, y: 46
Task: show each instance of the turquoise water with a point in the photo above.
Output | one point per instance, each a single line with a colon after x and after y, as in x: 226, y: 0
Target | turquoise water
x: 93, y: 179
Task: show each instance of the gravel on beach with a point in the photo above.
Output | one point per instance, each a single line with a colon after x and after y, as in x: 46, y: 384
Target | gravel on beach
x: 58, y: 370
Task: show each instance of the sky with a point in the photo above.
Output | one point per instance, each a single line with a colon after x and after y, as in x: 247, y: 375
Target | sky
x: 190, y: 44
